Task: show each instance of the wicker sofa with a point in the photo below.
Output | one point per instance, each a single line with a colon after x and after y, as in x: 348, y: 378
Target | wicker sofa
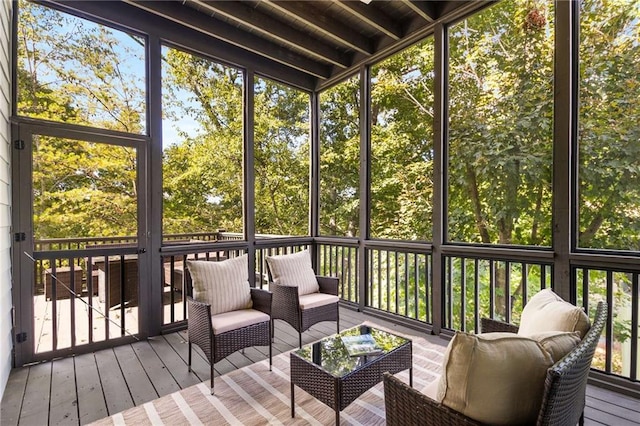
x: 563, y: 400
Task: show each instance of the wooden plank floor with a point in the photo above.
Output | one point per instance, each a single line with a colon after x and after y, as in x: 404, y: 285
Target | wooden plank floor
x: 85, y: 388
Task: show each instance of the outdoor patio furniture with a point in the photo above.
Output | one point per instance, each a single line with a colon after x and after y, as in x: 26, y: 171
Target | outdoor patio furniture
x: 300, y: 297
x: 329, y: 372
x: 228, y: 315
x: 62, y: 280
x: 118, y: 270
x: 563, y: 399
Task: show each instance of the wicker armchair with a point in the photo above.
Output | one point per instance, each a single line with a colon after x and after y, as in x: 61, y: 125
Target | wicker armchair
x: 218, y: 346
x: 286, y: 306
x: 564, y: 392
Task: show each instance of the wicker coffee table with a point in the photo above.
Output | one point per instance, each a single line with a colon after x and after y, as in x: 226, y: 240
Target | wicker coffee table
x: 326, y: 370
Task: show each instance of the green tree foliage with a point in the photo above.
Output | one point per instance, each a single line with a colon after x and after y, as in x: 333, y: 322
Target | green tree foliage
x: 73, y: 71
x: 402, y: 145
x: 609, y: 170
x: 203, y: 172
x: 500, y: 125
x: 282, y: 140
x: 340, y: 159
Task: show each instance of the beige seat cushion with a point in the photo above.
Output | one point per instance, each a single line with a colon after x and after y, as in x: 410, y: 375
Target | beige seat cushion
x: 558, y: 344
x: 237, y: 319
x: 294, y: 270
x: 224, y: 285
x: 494, y: 378
x: 546, y: 311
x: 313, y: 300
x: 431, y: 390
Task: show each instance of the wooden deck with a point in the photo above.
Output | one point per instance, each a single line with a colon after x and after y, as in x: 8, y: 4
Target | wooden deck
x: 85, y: 388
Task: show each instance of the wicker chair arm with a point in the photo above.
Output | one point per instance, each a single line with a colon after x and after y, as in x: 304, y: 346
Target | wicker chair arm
x: 328, y: 285
x: 199, y: 325
x: 198, y: 311
x: 284, y: 294
x: 261, y: 300
x: 489, y: 325
x: 407, y: 406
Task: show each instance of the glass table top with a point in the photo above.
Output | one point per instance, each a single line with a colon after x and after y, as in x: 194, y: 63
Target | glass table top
x: 331, y: 354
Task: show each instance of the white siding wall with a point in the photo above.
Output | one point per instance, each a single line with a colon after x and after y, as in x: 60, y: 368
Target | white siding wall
x: 6, y: 341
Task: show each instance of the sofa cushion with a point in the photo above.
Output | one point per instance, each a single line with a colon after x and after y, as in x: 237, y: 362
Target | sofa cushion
x: 234, y: 320
x: 224, y: 284
x: 546, y: 311
x: 494, y: 378
x: 431, y: 390
x: 314, y: 300
x: 294, y: 270
x: 558, y: 344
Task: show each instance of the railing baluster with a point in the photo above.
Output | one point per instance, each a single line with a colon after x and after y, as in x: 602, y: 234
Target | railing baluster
x: 463, y: 293
x: 172, y: 284
x: 449, y: 293
x: 427, y: 288
x: 609, y: 326
x: 492, y: 288
x: 524, y: 283
x: 476, y: 296
x: 634, y: 326
x: 90, y: 297
x: 54, y: 306
x: 507, y: 291
x: 406, y: 283
x: 416, y: 287
x: 72, y: 301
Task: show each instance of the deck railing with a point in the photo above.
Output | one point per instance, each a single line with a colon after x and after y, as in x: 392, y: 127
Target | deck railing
x: 618, y: 287
x: 396, y: 279
x: 477, y: 287
x: 85, y: 297
x: 399, y: 282
x: 341, y: 260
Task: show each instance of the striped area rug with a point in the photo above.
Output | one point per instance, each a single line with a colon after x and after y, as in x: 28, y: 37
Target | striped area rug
x: 254, y: 395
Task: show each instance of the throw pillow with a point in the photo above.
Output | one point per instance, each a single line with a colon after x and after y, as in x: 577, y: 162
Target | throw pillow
x: 558, y: 344
x: 494, y: 378
x: 546, y: 311
x: 224, y: 284
x: 294, y: 270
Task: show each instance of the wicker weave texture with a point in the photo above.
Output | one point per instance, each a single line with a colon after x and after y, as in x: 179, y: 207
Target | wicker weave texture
x: 405, y: 406
x: 563, y: 400
x: 566, y: 382
x: 339, y: 392
x: 217, y: 347
x: 286, y: 305
x: 489, y: 325
x: 313, y: 380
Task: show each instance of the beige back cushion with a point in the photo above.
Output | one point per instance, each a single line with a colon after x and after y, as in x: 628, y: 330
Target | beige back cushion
x: 558, y: 344
x: 494, y: 378
x: 546, y: 311
x: 294, y: 270
x: 224, y: 285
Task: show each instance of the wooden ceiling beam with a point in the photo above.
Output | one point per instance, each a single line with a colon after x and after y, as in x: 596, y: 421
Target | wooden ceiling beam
x: 198, y: 21
x: 266, y: 25
x: 305, y: 12
x: 423, y: 8
x: 372, y: 17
